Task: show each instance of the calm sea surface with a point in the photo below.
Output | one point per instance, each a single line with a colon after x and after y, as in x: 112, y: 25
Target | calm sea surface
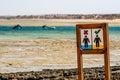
x: 60, y: 32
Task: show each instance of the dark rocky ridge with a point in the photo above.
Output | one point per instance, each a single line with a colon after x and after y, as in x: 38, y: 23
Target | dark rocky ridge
x: 96, y: 73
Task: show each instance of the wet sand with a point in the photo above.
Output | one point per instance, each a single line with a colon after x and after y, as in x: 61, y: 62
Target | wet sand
x: 38, y: 54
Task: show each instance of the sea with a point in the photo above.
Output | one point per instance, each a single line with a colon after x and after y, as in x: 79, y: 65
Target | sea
x: 59, y: 32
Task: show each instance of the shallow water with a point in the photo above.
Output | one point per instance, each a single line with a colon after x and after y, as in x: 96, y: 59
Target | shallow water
x: 60, y: 32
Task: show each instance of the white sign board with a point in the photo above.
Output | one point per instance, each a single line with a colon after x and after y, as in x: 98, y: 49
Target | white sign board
x: 86, y: 41
x: 92, y: 39
x: 97, y: 38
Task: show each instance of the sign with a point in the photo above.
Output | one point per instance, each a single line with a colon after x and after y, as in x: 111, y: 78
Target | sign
x: 92, y: 39
x: 86, y: 41
x: 97, y: 38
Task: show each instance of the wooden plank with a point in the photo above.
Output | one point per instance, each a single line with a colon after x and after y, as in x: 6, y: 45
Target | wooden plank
x: 87, y: 26
x: 97, y: 51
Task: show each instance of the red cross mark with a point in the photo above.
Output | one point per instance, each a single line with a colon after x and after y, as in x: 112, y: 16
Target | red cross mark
x: 85, y: 32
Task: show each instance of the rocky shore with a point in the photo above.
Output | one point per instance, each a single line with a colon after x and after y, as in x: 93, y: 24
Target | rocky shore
x: 95, y: 73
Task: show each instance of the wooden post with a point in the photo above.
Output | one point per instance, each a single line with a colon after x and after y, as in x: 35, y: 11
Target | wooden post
x: 106, y: 54
x: 79, y: 56
x: 107, y: 66
x: 81, y: 77
x: 80, y: 67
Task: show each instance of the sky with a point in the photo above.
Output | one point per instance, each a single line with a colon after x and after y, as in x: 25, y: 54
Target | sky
x: 41, y: 7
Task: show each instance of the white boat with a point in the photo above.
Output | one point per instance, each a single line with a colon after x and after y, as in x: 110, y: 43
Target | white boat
x: 45, y: 27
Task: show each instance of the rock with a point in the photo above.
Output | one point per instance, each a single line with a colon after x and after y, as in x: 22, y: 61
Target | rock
x: 96, y: 73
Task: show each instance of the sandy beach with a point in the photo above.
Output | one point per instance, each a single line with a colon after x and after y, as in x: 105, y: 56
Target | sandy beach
x: 37, y: 54
x: 56, y: 22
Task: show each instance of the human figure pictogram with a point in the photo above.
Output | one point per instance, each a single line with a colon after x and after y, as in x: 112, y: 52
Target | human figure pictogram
x: 97, y: 40
x: 85, y: 41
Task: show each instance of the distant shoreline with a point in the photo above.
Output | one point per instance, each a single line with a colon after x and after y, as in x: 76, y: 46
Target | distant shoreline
x: 56, y: 22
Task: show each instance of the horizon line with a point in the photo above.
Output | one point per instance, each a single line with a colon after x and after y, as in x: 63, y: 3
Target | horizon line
x: 61, y: 14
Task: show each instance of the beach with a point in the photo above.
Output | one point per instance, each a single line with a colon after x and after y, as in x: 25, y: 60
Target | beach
x: 57, y: 22
x: 31, y: 53
x: 35, y: 55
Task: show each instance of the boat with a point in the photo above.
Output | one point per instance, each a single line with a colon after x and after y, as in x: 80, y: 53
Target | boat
x: 17, y: 27
x: 45, y: 27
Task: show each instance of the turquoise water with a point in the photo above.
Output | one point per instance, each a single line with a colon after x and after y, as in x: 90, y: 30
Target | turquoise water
x: 84, y: 48
x: 60, y: 32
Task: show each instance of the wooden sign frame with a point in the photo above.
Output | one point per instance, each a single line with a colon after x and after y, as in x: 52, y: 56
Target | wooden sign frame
x: 104, y: 51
